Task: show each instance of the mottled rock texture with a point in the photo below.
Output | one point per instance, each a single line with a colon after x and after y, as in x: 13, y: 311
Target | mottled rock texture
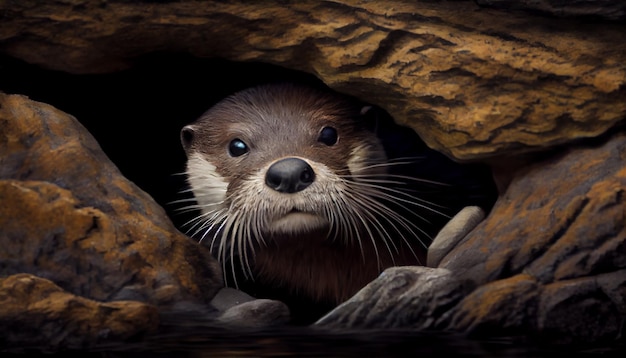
x: 35, y: 312
x: 556, y: 243
x: 473, y: 82
x: 550, y: 259
x: 69, y: 216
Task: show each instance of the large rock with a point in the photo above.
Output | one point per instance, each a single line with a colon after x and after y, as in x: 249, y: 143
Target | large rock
x: 559, y: 235
x: 549, y: 260
x: 69, y: 216
x: 473, y: 82
x: 36, y: 313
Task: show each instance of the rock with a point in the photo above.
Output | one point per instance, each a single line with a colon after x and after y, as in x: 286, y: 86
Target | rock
x: 547, y: 222
x: 473, y: 82
x: 454, y: 231
x: 242, y: 310
x: 229, y: 297
x: 549, y: 261
x: 566, y: 234
x: 401, y: 297
x: 256, y: 313
x: 36, y: 313
x: 70, y: 217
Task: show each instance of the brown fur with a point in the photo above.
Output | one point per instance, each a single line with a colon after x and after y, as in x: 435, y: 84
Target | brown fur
x: 326, y: 273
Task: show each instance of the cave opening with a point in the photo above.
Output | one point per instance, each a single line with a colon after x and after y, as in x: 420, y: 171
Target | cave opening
x: 136, y: 114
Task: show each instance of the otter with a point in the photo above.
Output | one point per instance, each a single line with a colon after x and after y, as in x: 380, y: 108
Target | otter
x: 305, y: 195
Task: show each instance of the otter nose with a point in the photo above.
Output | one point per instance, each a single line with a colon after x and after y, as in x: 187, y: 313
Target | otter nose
x: 289, y: 175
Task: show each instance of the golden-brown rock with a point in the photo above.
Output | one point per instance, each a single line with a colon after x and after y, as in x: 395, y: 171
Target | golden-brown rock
x: 473, y: 82
x: 69, y: 216
x: 551, y: 256
x: 37, y: 313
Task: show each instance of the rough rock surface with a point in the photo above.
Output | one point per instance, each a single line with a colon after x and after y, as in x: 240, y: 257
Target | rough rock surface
x: 473, y: 82
x: 69, y: 216
x: 402, y: 297
x: 37, y: 313
x: 242, y: 310
x: 550, y: 259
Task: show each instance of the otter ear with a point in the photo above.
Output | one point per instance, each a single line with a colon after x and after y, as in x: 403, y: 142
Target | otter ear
x: 187, y: 135
x: 370, y: 117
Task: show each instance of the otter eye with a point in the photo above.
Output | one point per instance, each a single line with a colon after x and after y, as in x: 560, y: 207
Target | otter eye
x: 237, y: 147
x: 328, y: 136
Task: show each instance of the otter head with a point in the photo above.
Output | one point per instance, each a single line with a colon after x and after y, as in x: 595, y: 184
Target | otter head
x: 275, y: 164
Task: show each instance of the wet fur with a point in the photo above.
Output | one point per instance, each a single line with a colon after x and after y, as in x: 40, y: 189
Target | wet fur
x: 382, y: 211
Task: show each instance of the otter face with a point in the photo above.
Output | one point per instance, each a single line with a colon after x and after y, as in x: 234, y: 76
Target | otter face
x: 270, y: 163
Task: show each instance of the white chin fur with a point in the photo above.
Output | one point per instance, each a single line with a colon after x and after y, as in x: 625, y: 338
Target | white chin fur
x: 298, y: 223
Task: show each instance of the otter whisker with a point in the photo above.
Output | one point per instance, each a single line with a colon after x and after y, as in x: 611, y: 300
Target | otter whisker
x: 372, y: 219
x: 179, y: 201
x: 403, y: 179
x: 358, y: 234
x: 213, y: 203
x: 185, y: 191
x: 329, y: 214
x: 399, y: 198
x: 204, y: 212
x: 337, y: 225
x: 392, y: 162
x: 205, y: 209
x: 242, y: 229
x: 360, y: 242
x: 384, y: 236
x: 393, y: 213
x: 227, y: 247
x: 384, y: 193
x: 258, y: 225
x: 245, y: 247
x: 349, y: 226
x: 220, y: 236
x: 203, y: 222
x: 387, y: 214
